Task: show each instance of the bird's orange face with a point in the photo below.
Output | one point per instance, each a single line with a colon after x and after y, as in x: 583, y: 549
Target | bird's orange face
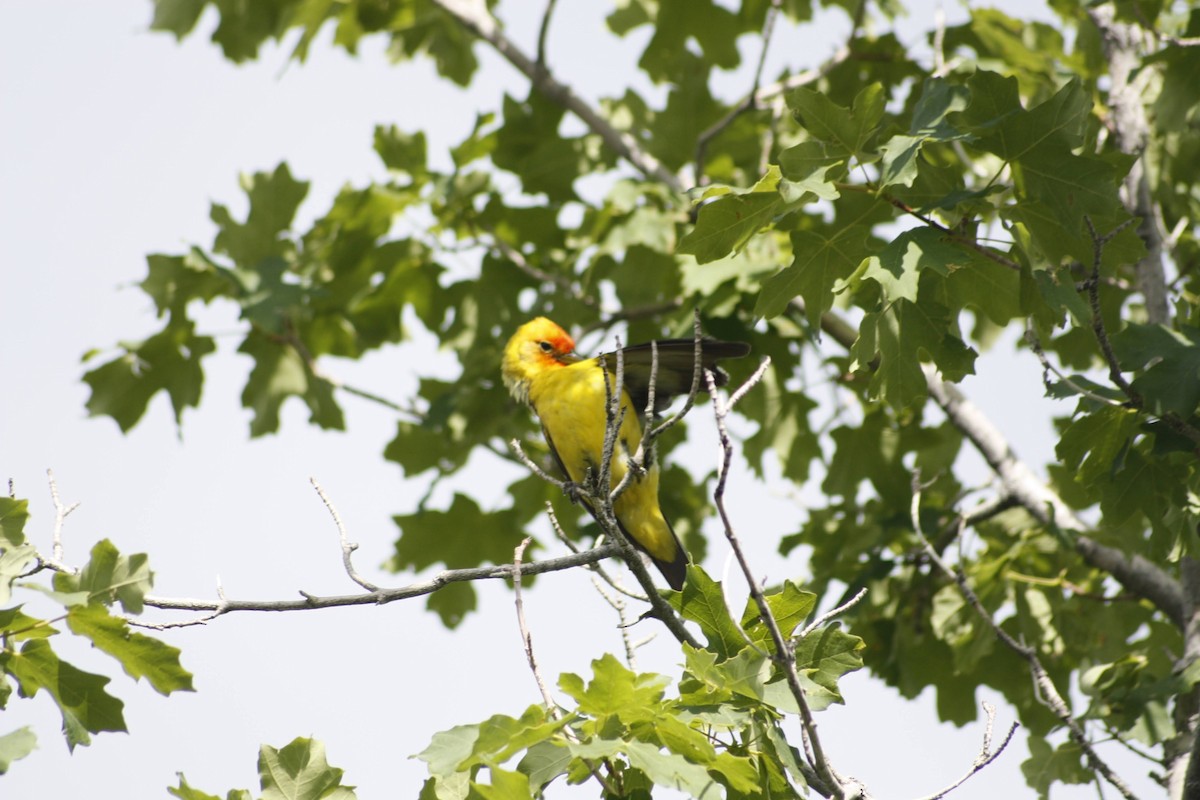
x: 538, y: 345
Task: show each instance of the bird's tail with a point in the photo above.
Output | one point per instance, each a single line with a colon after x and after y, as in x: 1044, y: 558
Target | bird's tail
x: 674, y: 570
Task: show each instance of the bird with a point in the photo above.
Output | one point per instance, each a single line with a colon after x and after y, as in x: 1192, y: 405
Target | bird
x: 567, y: 394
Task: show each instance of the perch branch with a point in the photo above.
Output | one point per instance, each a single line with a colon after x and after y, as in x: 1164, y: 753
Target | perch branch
x: 785, y: 653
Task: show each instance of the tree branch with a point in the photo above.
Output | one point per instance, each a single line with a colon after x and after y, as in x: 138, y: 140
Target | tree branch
x: 1047, y: 693
x: 380, y: 596
x: 785, y: 653
x: 474, y: 16
x: 1135, y: 573
x: 1122, y: 46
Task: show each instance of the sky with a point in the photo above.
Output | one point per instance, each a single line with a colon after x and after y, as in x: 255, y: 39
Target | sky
x: 113, y: 142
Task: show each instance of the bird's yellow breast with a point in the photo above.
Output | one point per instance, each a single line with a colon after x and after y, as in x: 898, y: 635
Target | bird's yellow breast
x: 569, y: 401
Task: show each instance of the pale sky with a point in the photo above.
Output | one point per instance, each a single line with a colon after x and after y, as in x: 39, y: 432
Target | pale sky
x: 113, y: 143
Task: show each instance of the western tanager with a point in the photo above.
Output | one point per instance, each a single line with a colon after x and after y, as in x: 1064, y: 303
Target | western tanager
x: 567, y: 392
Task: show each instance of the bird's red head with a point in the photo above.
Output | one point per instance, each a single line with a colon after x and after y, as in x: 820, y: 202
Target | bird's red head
x: 538, y: 345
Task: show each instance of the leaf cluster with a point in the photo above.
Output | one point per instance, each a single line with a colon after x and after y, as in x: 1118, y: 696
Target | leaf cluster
x: 28, y: 660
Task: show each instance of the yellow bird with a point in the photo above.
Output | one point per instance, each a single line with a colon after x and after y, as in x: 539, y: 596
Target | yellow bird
x: 567, y: 393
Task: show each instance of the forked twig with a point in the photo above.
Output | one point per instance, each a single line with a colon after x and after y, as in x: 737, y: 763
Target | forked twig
x: 1046, y: 692
x: 348, y: 547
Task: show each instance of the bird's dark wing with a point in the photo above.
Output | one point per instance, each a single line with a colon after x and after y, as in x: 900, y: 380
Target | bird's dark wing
x: 676, y: 358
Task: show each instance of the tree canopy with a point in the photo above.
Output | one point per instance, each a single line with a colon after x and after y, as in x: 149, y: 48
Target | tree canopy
x: 870, y: 218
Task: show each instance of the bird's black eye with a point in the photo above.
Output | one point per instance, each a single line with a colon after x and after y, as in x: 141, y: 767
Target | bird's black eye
x: 546, y: 347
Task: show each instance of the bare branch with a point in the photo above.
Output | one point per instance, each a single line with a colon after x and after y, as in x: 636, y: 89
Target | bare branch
x: 348, y: 547
x: 1123, y: 46
x: 61, y: 512
x: 1135, y: 573
x: 475, y: 17
x: 526, y: 637
x: 986, y: 754
x: 785, y: 654
x: 383, y: 595
x: 1047, y: 693
x: 834, y: 612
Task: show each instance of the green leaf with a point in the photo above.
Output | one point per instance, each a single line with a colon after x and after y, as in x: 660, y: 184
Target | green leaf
x: 186, y: 792
x: 811, y: 167
x: 1093, y: 445
x: 703, y: 602
x: 15, y: 746
x: 821, y: 260
x: 897, y: 268
x: 401, y: 152
x: 1047, y: 765
x: 176, y: 16
x: 939, y: 98
x: 17, y: 626
x: 299, y: 771
x: 709, y: 24
x: 1172, y: 381
x: 14, y: 514
x: 899, y: 335
x: 141, y: 656
x: 615, y: 690
x: 175, y: 281
x: 462, y: 536
x: 504, y: 785
x: 86, y: 707
x: 529, y: 145
x: 14, y: 562
x: 664, y: 769
x: 279, y: 373
x: 544, y: 761
x: 168, y: 361
x: 109, y: 577
x: 848, y: 128
x: 453, y: 602
x: 827, y: 654
x: 274, y: 198
x: 727, y: 223
x: 790, y: 606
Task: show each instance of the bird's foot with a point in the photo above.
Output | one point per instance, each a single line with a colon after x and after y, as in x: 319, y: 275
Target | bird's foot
x: 573, y: 491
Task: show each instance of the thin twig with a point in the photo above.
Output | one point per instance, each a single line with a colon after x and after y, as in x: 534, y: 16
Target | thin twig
x: 527, y: 643
x: 61, y: 512
x: 598, y: 568
x: 986, y: 754
x: 348, y: 547
x: 748, y: 103
x: 526, y: 636
x: 1035, y: 345
x: 834, y: 612
x: 1046, y: 692
x: 619, y: 605
x: 785, y: 654
x: 1172, y: 420
x: 543, y: 30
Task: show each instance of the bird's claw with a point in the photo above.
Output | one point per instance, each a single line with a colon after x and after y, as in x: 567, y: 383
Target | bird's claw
x: 573, y: 491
